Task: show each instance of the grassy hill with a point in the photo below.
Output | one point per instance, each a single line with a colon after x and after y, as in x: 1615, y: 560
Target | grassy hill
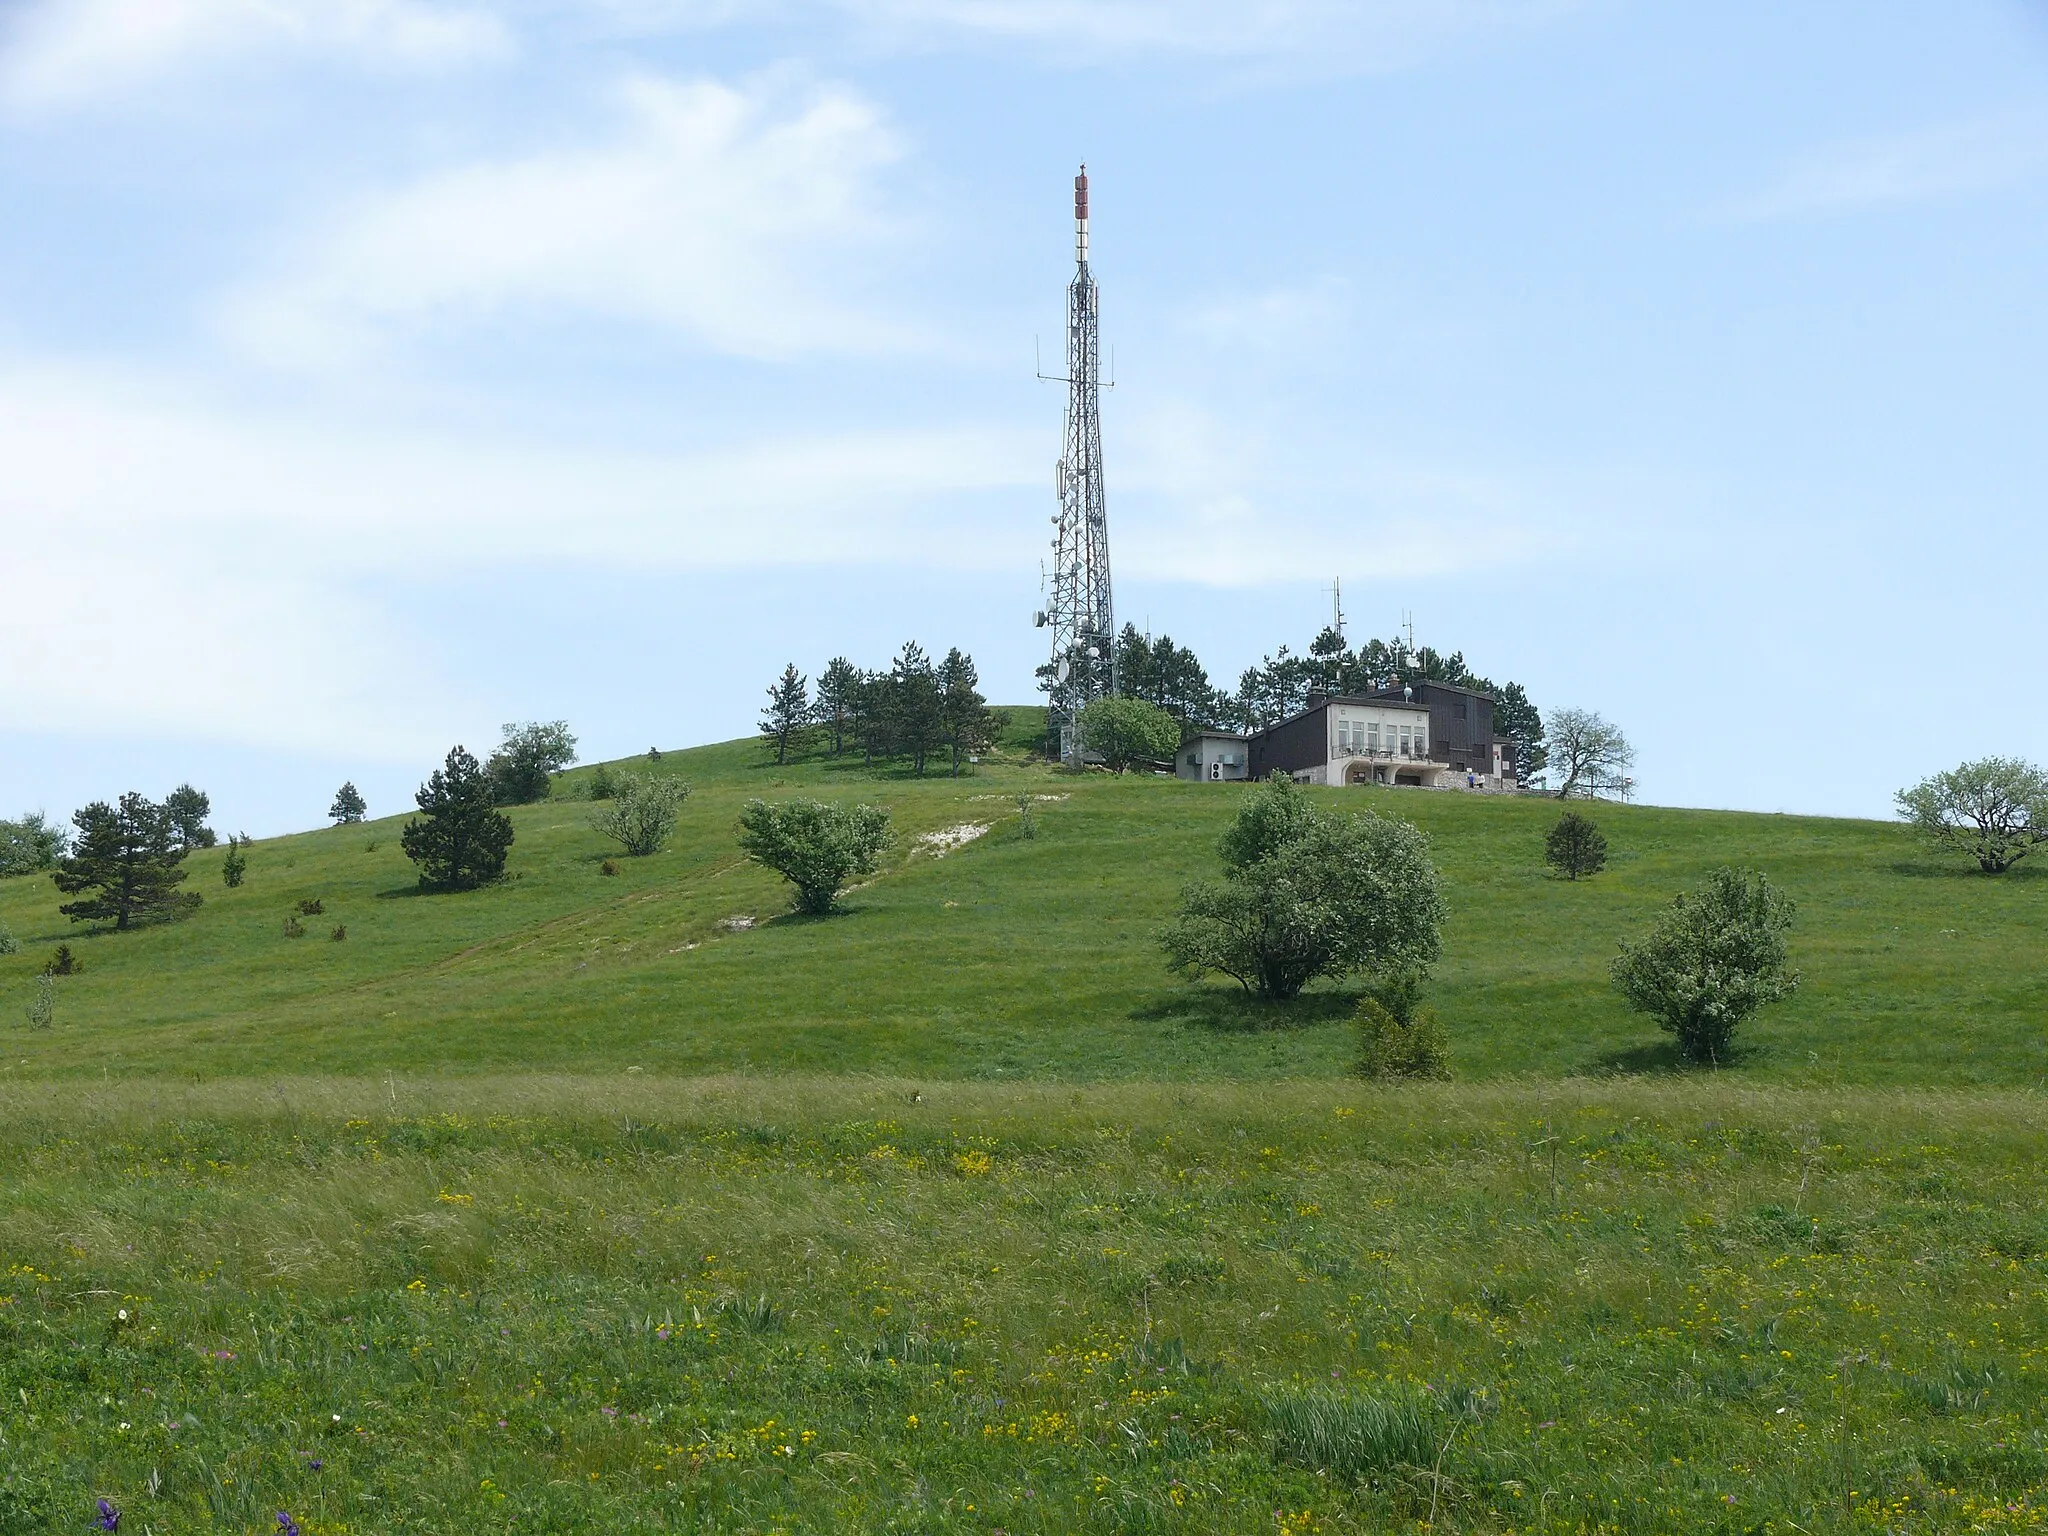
x: 1008, y: 957
x: 575, y: 1206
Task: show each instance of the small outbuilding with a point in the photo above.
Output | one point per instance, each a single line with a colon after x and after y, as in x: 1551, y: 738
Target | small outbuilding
x: 1213, y: 755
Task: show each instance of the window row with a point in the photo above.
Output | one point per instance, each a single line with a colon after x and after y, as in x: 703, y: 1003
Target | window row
x: 1371, y: 736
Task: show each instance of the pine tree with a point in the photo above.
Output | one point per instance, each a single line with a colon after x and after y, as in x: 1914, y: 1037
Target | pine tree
x: 130, y: 859
x: 868, y: 716
x: 236, y: 864
x: 915, y: 717
x: 1575, y: 847
x: 348, y: 807
x: 788, y: 709
x: 1517, y: 721
x: 464, y: 839
x: 966, y: 724
x: 838, y: 695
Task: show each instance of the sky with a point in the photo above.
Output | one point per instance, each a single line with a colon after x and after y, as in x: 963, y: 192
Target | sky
x: 376, y: 372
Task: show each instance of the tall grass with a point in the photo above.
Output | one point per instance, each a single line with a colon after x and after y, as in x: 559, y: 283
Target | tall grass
x: 1352, y: 1434
x: 732, y: 1305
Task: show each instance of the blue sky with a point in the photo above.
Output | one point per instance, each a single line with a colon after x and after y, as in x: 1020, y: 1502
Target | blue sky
x: 373, y: 372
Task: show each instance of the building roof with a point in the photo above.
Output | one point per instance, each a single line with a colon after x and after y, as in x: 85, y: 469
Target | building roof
x: 1430, y: 682
x: 1221, y: 735
x: 1375, y: 701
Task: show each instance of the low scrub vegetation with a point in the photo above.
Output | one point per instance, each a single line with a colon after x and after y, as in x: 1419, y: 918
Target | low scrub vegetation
x: 639, y: 813
x: 1400, y: 1038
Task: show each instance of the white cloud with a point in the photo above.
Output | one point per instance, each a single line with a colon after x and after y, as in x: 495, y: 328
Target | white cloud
x: 268, y: 529
x: 62, y: 52
x: 274, y: 532
x: 1221, y: 501
x: 1343, y: 32
x: 1192, y: 26
x: 734, y: 216
x: 1960, y: 157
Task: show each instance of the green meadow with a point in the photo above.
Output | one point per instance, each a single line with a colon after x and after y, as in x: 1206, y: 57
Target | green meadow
x: 608, y: 1203
x: 1008, y: 957
x: 734, y: 1305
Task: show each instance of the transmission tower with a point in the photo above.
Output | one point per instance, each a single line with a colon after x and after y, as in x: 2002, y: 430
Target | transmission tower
x: 1079, y: 611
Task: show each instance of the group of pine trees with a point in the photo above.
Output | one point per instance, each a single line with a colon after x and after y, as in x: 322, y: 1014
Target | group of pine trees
x: 913, y: 710
x: 125, y: 861
x: 1170, y: 676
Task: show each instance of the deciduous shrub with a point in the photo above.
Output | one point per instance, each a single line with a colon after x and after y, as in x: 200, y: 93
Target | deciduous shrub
x: 816, y: 847
x: 311, y: 906
x: 641, y: 814
x: 1308, y: 893
x: 528, y: 759
x: 1400, y: 1042
x: 29, y: 844
x: 293, y: 928
x: 9, y: 944
x: 234, y: 864
x: 1716, y: 956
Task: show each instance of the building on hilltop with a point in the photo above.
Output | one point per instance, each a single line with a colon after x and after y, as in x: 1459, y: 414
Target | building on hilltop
x: 1213, y: 755
x: 1428, y: 734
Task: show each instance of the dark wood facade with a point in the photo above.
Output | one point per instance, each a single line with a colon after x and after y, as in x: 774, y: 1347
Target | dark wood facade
x: 1461, y: 733
x: 1296, y: 743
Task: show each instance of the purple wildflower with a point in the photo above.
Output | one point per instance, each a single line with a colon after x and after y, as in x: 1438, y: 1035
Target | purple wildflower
x: 287, y: 1526
x: 110, y: 1517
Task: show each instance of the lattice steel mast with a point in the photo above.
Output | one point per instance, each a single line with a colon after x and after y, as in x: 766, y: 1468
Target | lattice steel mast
x: 1080, y: 611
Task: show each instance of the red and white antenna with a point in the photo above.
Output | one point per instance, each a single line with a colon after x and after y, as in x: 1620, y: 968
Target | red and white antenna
x: 1081, y: 215
x: 1080, y: 612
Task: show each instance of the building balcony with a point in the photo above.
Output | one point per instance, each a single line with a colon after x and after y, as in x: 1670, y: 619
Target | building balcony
x: 1384, y: 754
